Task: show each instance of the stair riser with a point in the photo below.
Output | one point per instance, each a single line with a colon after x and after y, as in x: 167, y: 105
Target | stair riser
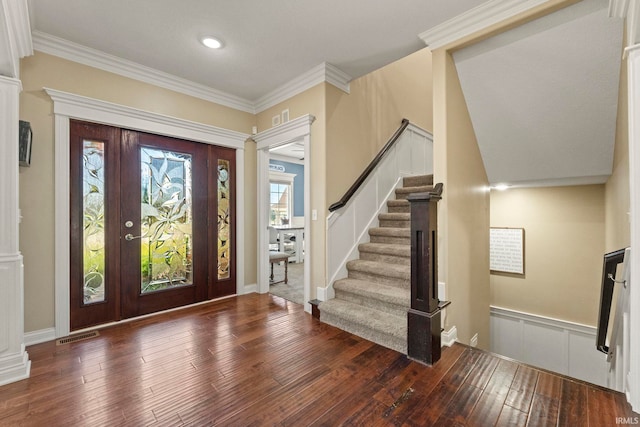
x: 417, y: 181
x: 396, y: 310
x: 386, y: 340
x: 391, y: 240
x: 399, y: 209
x: 395, y: 224
x: 390, y: 259
x: 383, y: 280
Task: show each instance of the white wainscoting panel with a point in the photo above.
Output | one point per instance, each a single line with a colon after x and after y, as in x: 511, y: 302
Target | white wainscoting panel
x: 347, y: 227
x: 563, y: 347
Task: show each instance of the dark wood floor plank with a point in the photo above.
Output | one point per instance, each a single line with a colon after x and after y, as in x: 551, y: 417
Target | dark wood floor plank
x: 432, y: 395
x: 546, y: 401
x: 460, y: 407
x: 511, y: 417
x: 489, y: 406
x: 260, y: 360
x: 573, y: 405
x: 522, y: 389
x: 606, y: 408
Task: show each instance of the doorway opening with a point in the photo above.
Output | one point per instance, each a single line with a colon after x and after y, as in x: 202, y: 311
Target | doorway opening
x: 284, y: 210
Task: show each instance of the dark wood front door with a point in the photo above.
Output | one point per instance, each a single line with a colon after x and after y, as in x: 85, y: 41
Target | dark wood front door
x: 152, y: 223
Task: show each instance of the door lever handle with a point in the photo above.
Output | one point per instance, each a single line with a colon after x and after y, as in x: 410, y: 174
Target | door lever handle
x: 129, y: 237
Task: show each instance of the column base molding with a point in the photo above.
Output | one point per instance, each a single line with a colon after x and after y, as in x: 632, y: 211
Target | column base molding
x: 14, y: 367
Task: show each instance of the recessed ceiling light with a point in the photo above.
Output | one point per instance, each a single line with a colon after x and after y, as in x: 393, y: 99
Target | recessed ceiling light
x: 211, y: 42
x: 501, y: 187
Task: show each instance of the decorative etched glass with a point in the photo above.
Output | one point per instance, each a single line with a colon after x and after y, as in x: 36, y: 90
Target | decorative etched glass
x: 166, y: 226
x: 224, y: 215
x: 93, y: 234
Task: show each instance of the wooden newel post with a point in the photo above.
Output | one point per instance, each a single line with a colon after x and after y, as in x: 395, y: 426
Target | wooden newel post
x: 423, y: 340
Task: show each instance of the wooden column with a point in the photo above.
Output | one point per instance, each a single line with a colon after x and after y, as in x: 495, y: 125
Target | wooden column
x: 14, y: 360
x: 423, y: 338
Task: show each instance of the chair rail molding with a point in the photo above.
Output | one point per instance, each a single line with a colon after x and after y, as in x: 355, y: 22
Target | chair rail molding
x: 68, y: 106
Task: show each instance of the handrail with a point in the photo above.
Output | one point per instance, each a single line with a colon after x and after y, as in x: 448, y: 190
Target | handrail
x: 363, y: 176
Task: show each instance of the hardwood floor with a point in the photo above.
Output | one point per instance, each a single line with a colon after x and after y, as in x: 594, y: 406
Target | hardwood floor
x: 260, y: 360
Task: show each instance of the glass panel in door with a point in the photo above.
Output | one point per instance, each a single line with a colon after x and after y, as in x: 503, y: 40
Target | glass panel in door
x: 166, y: 219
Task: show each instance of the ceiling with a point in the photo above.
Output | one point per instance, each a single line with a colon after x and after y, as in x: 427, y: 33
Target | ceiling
x: 267, y: 42
x: 542, y: 97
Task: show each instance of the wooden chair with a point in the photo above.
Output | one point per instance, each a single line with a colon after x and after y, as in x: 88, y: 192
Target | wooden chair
x: 277, y: 257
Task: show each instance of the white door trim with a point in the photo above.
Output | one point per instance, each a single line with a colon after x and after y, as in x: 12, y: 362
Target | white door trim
x: 297, y: 130
x: 70, y: 106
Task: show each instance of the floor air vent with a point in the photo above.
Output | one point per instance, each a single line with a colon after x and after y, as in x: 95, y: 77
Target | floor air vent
x: 79, y: 337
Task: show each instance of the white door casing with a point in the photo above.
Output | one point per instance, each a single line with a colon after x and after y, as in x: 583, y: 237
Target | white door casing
x: 296, y: 130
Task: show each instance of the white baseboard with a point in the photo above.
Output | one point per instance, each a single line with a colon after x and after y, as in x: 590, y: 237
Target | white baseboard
x: 325, y: 294
x: 37, y: 337
x: 557, y: 345
x: 449, y: 337
x: 250, y: 289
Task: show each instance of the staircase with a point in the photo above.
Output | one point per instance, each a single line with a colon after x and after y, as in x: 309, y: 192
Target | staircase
x: 372, y: 302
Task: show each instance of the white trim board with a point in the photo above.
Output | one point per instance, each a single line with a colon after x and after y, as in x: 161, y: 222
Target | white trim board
x: 557, y: 345
x: 75, y: 52
x: 67, y: 106
x: 37, y: 337
x: 476, y: 19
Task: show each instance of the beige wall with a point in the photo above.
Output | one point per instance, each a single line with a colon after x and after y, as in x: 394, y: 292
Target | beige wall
x: 361, y: 122
x: 564, y: 244
x: 463, y: 215
x: 36, y: 182
x: 616, y: 196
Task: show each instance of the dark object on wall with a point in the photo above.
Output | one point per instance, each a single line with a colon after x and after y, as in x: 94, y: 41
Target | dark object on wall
x: 25, y: 137
x: 609, y: 284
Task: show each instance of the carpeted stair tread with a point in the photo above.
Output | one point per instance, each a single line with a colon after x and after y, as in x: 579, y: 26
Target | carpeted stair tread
x: 395, y: 216
x: 403, y: 192
x: 402, y: 272
x: 386, y: 249
x: 380, y: 293
x: 417, y: 181
x: 390, y: 232
x: 382, y: 328
x: 386, y: 253
x: 399, y: 206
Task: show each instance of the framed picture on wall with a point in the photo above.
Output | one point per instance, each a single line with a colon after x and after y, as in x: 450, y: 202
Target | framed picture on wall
x: 24, y: 140
x: 506, y: 250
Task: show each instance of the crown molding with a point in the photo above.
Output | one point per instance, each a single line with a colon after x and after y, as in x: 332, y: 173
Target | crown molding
x: 476, y: 19
x: 15, y: 36
x: 618, y: 8
x: 324, y: 72
x: 631, y: 11
x: 62, y: 48
x: 18, y: 19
